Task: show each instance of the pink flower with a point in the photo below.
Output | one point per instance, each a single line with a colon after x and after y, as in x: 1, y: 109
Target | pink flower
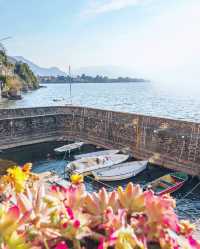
x: 61, y: 245
x: 193, y: 243
x: 101, y: 243
x: 76, y: 224
x: 14, y: 213
x: 54, y: 188
x: 65, y: 225
x: 70, y: 213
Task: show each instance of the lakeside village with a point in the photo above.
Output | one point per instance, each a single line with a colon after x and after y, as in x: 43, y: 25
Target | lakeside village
x: 87, y: 79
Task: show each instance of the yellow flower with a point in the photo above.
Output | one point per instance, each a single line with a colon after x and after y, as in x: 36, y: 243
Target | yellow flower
x: 76, y: 179
x: 17, y: 178
x: 186, y: 227
x: 27, y: 167
x: 126, y: 239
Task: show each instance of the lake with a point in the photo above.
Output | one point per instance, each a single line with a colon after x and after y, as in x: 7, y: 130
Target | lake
x: 143, y: 98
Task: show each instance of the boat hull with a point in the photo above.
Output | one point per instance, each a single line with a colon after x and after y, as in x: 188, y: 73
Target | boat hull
x: 168, y: 183
x: 111, y: 175
x: 85, y: 166
x: 172, y: 189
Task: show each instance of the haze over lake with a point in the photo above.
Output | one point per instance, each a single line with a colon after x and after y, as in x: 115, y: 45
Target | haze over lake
x: 144, y: 98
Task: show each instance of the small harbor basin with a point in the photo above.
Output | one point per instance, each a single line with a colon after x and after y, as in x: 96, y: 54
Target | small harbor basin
x: 44, y: 159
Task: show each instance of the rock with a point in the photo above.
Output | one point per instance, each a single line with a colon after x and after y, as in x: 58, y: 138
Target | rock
x: 14, y: 94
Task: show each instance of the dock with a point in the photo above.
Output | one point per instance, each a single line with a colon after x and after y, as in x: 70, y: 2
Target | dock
x: 69, y: 147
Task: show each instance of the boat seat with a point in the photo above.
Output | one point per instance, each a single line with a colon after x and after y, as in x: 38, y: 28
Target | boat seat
x: 159, y: 189
x: 178, y: 178
x: 167, y: 183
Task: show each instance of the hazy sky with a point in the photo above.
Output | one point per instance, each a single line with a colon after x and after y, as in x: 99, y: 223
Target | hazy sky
x: 158, y: 38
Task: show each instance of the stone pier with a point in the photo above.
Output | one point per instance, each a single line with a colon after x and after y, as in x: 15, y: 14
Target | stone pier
x: 171, y: 143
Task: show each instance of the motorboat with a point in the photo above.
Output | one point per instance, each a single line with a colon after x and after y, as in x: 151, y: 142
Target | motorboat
x: 86, y: 165
x: 120, y: 171
x: 97, y: 153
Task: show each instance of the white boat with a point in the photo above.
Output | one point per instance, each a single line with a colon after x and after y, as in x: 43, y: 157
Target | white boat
x: 69, y: 147
x: 97, y: 153
x: 58, y: 99
x: 121, y: 171
x: 86, y: 165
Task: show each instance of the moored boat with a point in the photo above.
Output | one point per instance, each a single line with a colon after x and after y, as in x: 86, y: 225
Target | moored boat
x: 120, y: 171
x: 86, y: 165
x: 69, y: 147
x: 58, y: 99
x: 168, y: 183
x: 97, y: 153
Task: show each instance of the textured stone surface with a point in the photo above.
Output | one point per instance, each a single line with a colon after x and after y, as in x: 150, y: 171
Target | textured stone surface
x: 171, y: 143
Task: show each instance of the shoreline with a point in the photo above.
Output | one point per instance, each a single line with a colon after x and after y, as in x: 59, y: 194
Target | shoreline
x: 131, y: 82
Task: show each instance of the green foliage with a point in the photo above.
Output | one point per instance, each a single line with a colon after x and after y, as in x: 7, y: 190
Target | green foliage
x: 3, y: 57
x: 22, y: 78
x: 24, y: 72
x: 3, y: 78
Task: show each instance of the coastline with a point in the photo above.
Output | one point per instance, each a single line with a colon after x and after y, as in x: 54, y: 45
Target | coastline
x: 113, y: 82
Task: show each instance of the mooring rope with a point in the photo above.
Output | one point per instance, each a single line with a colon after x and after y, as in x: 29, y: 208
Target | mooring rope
x: 106, y: 185
x: 190, y: 192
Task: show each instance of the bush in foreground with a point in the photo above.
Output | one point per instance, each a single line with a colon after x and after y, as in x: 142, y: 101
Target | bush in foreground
x: 34, y: 215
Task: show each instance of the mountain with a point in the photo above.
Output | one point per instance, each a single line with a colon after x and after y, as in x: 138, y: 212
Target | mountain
x: 110, y: 71
x: 41, y: 71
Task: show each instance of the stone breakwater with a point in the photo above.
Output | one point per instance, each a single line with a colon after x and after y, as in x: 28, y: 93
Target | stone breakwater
x: 171, y: 143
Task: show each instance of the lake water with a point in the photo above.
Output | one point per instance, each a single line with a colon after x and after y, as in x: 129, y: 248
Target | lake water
x: 144, y: 98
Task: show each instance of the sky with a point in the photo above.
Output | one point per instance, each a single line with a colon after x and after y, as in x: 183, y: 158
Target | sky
x: 155, y: 38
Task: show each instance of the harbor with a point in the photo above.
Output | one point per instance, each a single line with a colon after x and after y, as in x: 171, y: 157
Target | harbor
x: 60, y: 138
x: 45, y: 160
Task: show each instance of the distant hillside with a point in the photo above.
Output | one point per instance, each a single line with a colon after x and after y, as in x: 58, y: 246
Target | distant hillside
x: 41, y: 71
x: 15, y: 77
x: 111, y: 71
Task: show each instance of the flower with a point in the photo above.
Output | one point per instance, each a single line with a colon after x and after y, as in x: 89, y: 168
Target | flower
x: 27, y: 167
x: 17, y: 178
x: 76, y: 179
x: 61, y: 245
x: 186, y: 227
x: 132, y: 198
x: 125, y: 238
x: 71, y: 217
x: 96, y: 205
x: 10, y: 221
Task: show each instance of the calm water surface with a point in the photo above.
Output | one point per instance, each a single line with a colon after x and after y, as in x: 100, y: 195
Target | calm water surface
x: 143, y: 98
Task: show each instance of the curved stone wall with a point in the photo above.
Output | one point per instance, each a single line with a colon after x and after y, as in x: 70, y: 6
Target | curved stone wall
x: 171, y: 143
